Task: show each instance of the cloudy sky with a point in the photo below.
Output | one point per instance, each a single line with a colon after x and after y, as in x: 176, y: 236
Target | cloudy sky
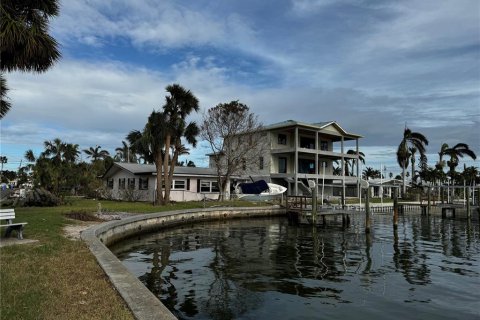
x: 372, y: 66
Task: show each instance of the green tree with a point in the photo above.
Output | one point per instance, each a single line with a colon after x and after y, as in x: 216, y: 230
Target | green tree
x: 179, y: 104
x: 410, y: 139
x: 25, y: 44
x: 353, y: 162
x: 3, y: 160
x: 96, y: 153
x: 369, y: 172
x: 455, y: 153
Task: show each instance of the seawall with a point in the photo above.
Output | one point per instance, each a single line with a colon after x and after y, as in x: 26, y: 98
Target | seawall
x: 144, y: 304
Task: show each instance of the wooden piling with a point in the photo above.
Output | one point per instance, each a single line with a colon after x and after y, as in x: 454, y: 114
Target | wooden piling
x: 468, y: 203
x: 367, y: 211
x: 395, y: 209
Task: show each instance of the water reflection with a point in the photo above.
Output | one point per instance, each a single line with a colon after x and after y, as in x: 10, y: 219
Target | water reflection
x: 428, y: 268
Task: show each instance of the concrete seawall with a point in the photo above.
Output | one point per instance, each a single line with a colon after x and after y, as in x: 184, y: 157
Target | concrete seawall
x: 139, y: 299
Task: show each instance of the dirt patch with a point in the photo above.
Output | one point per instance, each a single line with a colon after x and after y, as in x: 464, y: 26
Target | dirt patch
x: 86, y: 220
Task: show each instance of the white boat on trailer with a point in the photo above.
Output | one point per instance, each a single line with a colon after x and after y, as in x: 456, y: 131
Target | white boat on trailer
x: 259, y: 190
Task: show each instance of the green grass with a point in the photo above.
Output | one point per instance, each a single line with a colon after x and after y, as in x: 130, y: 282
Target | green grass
x: 58, y: 278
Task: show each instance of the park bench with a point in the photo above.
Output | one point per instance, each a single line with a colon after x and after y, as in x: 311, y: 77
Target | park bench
x: 9, y: 215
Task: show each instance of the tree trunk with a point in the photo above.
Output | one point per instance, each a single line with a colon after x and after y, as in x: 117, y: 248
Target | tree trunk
x: 166, y: 178
x: 158, y: 164
x: 404, y: 189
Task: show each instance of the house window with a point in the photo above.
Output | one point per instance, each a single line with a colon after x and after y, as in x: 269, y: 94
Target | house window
x: 306, y: 166
x: 260, y: 163
x: 282, y: 139
x: 121, y: 183
x: 143, y: 183
x: 282, y: 165
x: 131, y: 183
x: 324, y: 145
x: 209, y: 186
x: 179, y: 184
x: 110, y: 183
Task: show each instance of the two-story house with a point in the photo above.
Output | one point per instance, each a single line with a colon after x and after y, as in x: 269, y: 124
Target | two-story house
x: 296, y: 152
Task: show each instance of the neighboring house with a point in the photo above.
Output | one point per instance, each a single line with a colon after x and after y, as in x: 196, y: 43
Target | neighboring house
x: 137, y: 182
x: 297, y: 152
x: 377, y: 186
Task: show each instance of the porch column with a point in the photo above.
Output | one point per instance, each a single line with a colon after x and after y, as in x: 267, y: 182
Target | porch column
x: 358, y: 170
x: 316, y: 155
x: 343, y: 173
x: 295, y: 169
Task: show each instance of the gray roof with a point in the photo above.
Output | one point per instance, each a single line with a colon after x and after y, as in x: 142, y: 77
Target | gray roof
x: 315, y: 126
x: 150, y: 169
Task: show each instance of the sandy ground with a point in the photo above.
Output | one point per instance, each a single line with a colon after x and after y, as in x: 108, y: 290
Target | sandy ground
x: 73, y: 231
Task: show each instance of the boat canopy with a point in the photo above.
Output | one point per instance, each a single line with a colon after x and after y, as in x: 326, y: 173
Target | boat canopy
x: 256, y: 187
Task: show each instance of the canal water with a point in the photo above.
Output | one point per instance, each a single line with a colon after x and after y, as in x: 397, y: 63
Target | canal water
x: 267, y: 269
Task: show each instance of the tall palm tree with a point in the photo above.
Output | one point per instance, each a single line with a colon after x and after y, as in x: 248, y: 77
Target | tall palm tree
x: 29, y: 156
x: 3, y: 160
x: 55, y: 149
x: 458, y: 151
x: 369, y: 172
x: 410, y: 139
x: 179, y: 104
x: 71, y: 152
x: 412, y: 150
x: 25, y: 43
x: 96, y: 153
x: 361, y: 158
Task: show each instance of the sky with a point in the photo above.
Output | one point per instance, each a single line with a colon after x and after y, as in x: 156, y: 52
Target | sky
x: 372, y: 66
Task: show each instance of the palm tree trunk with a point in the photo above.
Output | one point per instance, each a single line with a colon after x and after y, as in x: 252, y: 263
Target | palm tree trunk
x: 166, y: 177
x: 158, y: 163
x: 404, y: 181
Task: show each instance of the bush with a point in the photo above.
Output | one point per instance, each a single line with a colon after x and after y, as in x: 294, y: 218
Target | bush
x: 41, y: 198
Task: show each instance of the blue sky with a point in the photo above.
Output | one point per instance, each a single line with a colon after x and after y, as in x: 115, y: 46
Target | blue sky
x: 372, y: 66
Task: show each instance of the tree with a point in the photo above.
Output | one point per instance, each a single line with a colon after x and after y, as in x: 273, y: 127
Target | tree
x: 126, y: 153
x: 179, y: 104
x: 361, y: 158
x: 3, y: 160
x: 410, y: 139
x: 25, y: 44
x: 458, y: 151
x: 96, y: 153
x: 234, y: 135
x: 369, y: 172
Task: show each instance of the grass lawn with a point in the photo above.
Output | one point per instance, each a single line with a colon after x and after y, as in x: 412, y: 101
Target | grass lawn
x: 58, y: 278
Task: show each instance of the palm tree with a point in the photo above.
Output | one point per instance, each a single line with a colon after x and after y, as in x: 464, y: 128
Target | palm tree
x: 456, y: 152
x: 96, y: 153
x: 369, y: 172
x: 361, y: 157
x: 26, y: 44
x: 5, y: 106
x: 412, y: 150
x: 71, y: 152
x: 3, y: 160
x: 179, y: 104
x: 30, y: 156
x: 410, y: 139
x: 54, y: 148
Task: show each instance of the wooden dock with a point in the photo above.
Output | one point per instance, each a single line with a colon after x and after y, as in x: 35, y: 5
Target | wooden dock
x: 299, y: 209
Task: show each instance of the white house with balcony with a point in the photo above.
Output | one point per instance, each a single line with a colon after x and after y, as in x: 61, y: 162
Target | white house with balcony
x: 296, y: 152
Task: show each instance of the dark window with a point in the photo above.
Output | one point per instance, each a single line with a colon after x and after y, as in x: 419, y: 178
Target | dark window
x: 110, y: 183
x: 282, y: 165
x: 131, y: 183
x: 260, y: 163
x: 179, y: 184
x: 308, y: 143
x: 209, y: 186
x: 121, y: 183
x: 282, y: 139
x: 306, y: 166
x: 324, y: 145
x: 143, y: 183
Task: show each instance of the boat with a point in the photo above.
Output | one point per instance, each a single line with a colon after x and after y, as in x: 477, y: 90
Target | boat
x: 259, y: 190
